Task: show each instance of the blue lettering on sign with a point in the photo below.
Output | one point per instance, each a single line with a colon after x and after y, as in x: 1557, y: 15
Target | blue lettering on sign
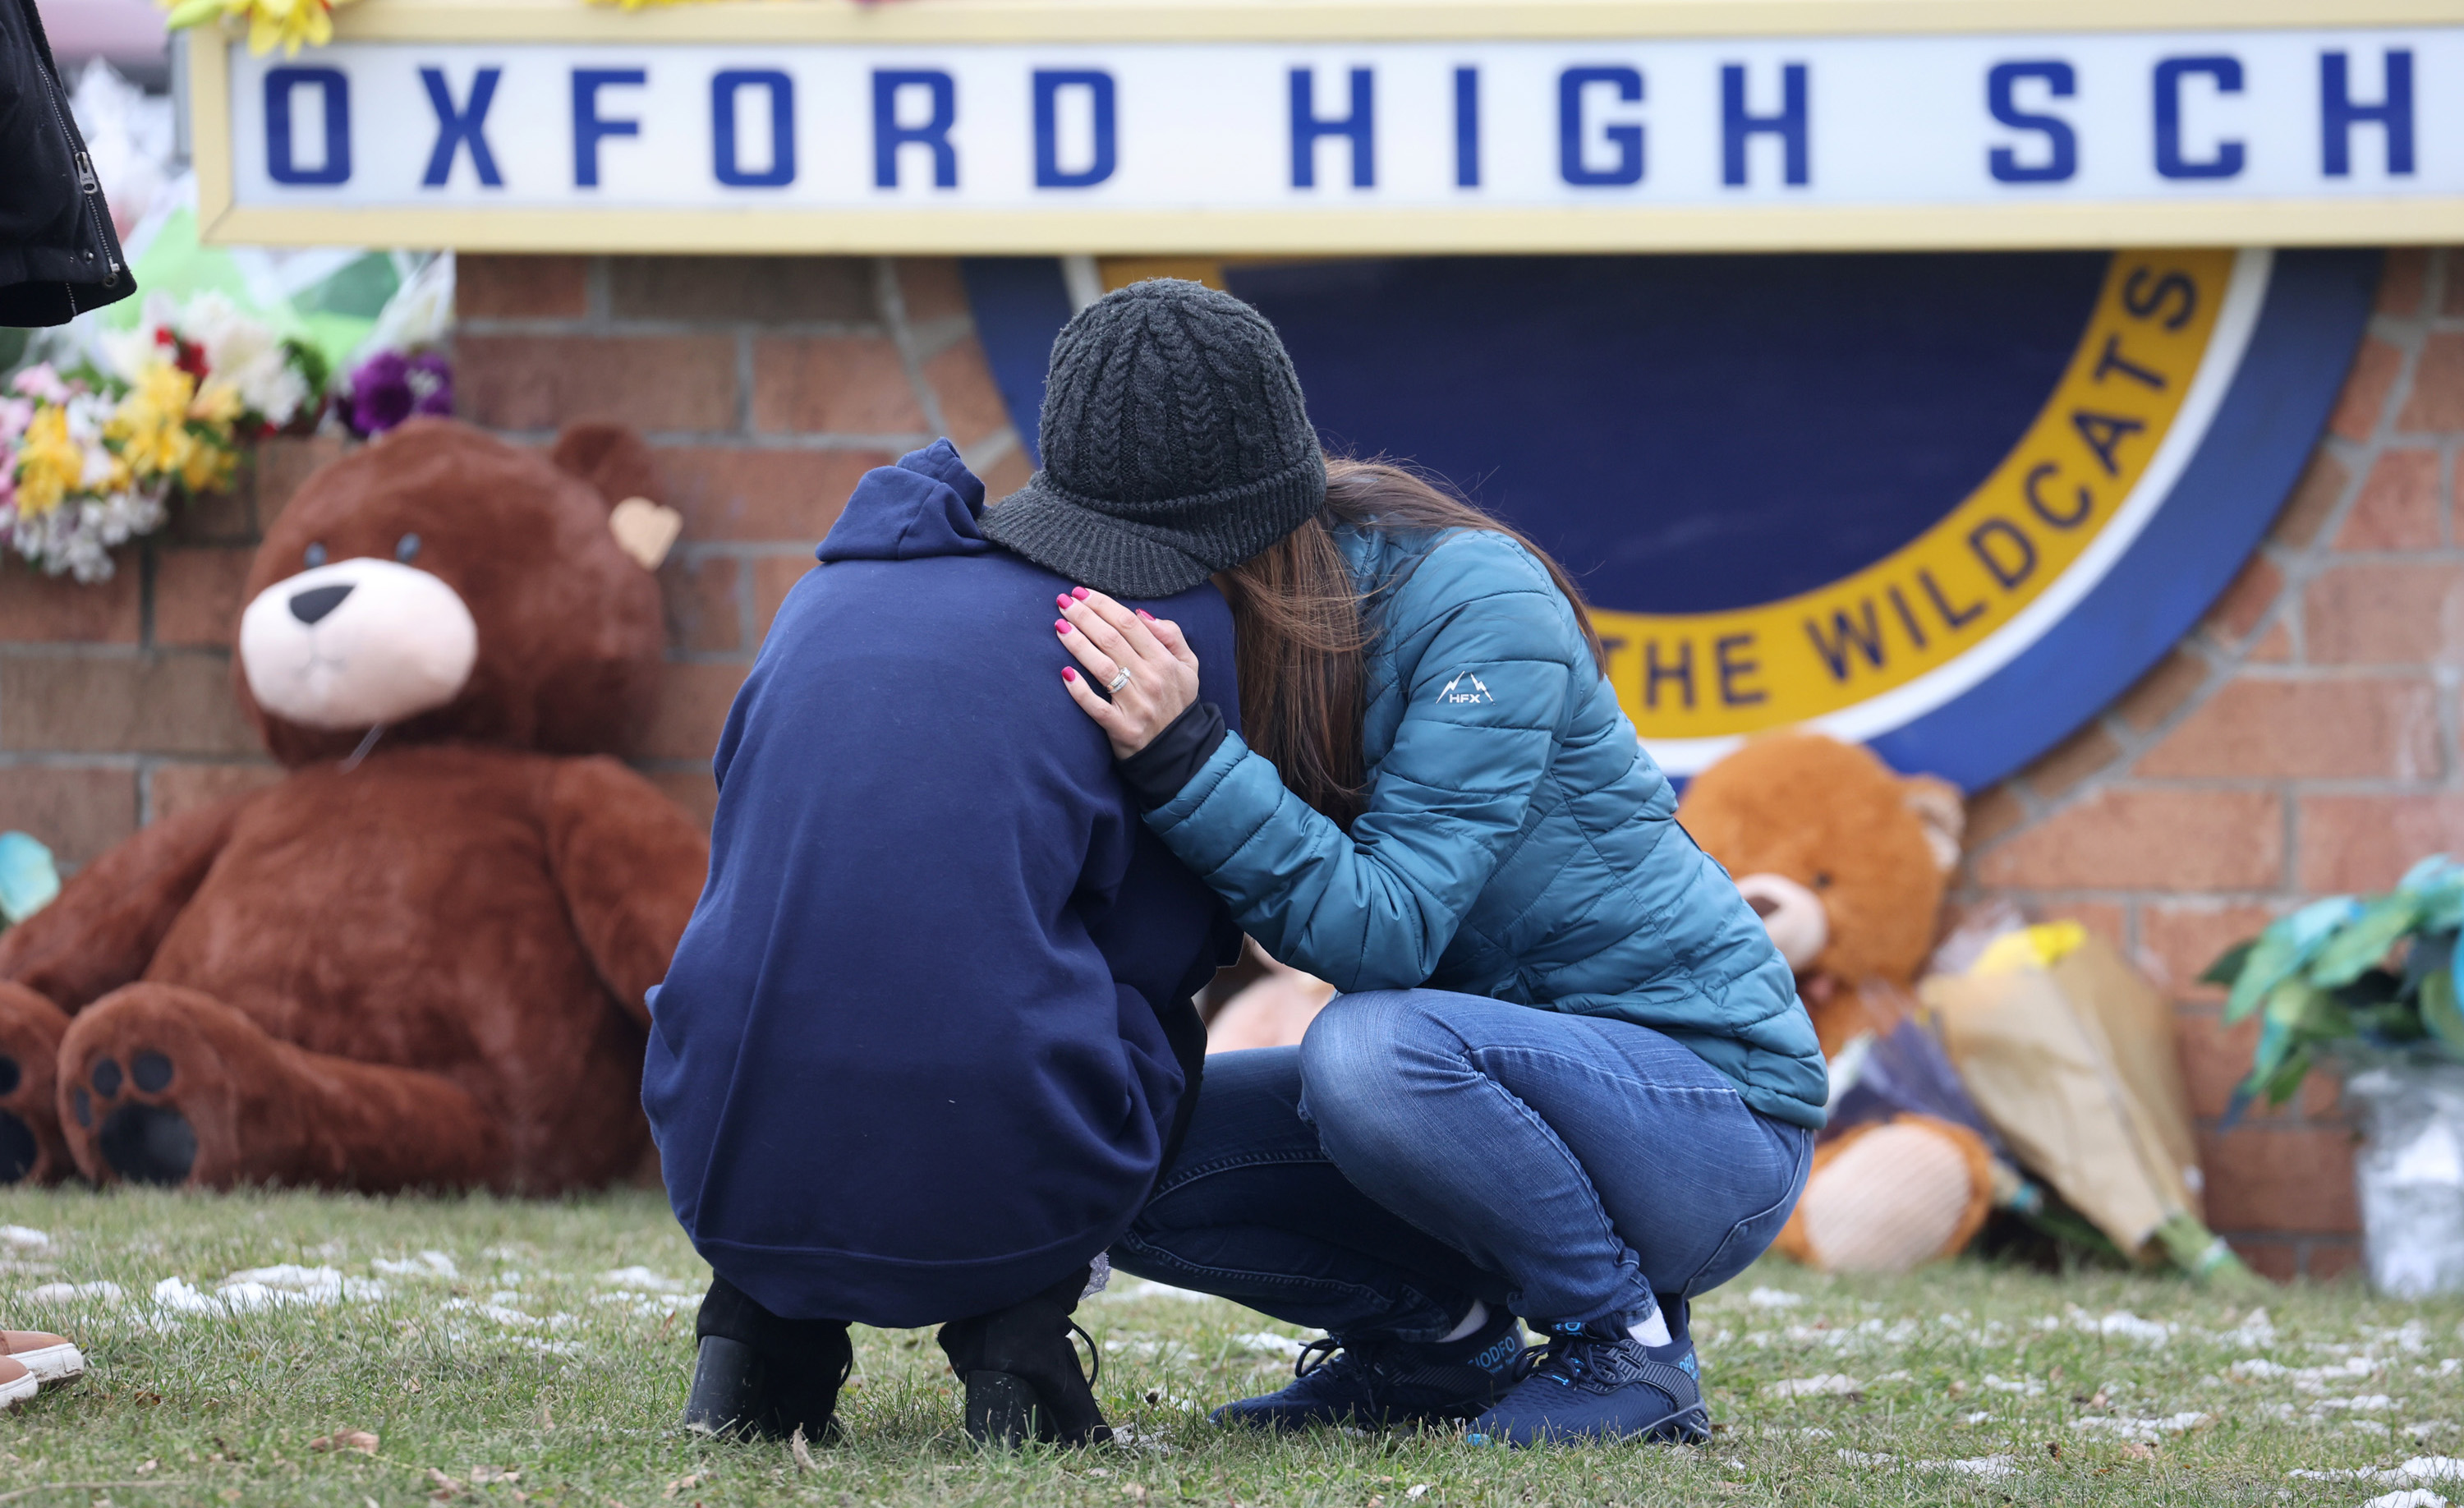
x: 281, y: 158
x: 2170, y: 74
x: 725, y: 163
x: 1572, y: 138
x: 1359, y: 127
x: 2338, y: 114
x: 1737, y: 125
x: 587, y: 125
x: 889, y: 134
x: 2061, y: 143
x: 1048, y: 171
x: 1467, y: 128
x: 465, y: 126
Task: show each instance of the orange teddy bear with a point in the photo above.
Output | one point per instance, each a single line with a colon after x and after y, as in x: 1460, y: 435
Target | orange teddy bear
x: 1846, y: 862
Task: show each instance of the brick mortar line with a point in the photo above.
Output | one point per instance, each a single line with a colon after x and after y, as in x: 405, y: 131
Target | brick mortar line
x: 638, y: 328
x: 775, y: 439
x: 893, y: 311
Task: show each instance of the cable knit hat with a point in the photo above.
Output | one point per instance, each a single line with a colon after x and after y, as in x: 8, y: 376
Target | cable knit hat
x: 1175, y: 445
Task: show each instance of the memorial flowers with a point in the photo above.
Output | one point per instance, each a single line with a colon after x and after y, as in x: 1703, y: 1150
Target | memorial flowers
x: 93, y: 457
x: 288, y: 24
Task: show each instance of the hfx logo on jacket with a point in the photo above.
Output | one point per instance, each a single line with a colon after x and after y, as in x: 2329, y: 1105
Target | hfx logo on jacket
x: 1454, y: 693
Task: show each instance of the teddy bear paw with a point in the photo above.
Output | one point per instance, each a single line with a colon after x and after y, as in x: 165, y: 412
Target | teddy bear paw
x: 143, y: 1140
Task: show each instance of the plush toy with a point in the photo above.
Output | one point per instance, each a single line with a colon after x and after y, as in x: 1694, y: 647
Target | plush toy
x: 1846, y: 862
x: 1273, y: 1010
x: 419, y: 959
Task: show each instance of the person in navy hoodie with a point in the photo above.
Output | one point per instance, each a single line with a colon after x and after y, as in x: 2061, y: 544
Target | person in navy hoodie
x: 929, y: 1035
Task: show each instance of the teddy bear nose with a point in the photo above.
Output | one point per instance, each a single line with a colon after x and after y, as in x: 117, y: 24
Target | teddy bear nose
x: 317, y: 601
x: 1763, y: 905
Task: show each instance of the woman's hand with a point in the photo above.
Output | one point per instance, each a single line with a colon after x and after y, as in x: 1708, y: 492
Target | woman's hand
x: 1108, y: 638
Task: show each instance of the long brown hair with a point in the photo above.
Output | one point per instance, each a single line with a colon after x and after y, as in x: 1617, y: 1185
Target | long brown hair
x: 1302, y: 627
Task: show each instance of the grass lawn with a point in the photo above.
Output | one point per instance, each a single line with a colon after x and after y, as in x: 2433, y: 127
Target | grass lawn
x: 505, y: 1352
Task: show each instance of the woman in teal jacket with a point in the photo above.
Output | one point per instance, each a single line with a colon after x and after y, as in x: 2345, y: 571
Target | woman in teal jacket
x: 1567, y: 1078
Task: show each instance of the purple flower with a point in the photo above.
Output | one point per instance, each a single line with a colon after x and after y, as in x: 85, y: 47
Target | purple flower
x: 389, y: 387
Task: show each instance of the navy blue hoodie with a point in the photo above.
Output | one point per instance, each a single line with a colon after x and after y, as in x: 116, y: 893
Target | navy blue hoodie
x: 909, y: 1064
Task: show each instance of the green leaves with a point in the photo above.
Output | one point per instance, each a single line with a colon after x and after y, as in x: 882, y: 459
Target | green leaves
x: 2344, y: 969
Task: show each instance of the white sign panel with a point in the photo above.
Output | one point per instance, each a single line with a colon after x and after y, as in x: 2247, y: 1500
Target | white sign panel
x: 1414, y: 146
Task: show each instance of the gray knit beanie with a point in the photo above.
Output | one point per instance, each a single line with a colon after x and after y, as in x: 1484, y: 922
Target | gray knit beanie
x: 1174, y: 441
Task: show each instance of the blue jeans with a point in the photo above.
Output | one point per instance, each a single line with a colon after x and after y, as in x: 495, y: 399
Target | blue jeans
x: 1421, y: 1150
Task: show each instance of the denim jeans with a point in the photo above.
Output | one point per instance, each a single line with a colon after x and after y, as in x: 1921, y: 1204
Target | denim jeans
x: 1421, y: 1150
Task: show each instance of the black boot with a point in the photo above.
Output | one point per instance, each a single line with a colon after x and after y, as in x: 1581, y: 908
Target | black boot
x: 756, y: 1375
x: 1021, y: 1373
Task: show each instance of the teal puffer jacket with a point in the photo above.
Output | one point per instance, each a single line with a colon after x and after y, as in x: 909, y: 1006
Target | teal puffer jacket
x: 1518, y: 843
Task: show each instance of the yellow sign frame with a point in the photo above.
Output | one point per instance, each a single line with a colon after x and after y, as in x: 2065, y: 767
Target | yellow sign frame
x: 1323, y: 232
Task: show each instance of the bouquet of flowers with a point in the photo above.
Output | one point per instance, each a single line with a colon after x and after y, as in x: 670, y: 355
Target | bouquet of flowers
x: 91, y: 458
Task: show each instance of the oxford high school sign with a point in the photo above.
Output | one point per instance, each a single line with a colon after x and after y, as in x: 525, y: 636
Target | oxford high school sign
x: 979, y: 124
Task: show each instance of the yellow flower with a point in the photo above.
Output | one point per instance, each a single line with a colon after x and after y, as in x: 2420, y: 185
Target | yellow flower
x: 151, y: 423
x: 217, y: 403
x: 285, y: 23
x: 50, y: 464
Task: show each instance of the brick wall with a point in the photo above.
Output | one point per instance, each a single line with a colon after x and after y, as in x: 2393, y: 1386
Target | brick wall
x: 2302, y: 741
x: 769, y: 384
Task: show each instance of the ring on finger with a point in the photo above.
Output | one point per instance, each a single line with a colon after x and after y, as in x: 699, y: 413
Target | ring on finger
x: 1120, y: 678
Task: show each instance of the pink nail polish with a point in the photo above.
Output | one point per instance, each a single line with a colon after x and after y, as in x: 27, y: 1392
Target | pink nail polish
x: 1078, y: 592
x: 1061, y: 626
x: 1148, y: 616
x: 1061, y: 601
x: 1067, y: 674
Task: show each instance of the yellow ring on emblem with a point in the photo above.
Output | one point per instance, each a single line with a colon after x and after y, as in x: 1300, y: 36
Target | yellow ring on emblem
x: 1740, y: 670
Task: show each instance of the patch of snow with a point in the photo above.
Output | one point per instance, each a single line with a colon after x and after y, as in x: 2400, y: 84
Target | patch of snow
x: 24, y: 1237
x: 2145, y: 1430
x: 75, y: 1293
x: 1865, y: 1458
x: 426, y: 1264
x: 1980, y: 1416
x: 2027, y: 1387
x: 646, y: 1280
x: 1827, y: 1385
x: 2412, y: 1498
x: 314, y: 1284
x: 1147, y: 1288
x: 1993, y: 1467
x: 1773, y: 1299
x: 1269, y: 1342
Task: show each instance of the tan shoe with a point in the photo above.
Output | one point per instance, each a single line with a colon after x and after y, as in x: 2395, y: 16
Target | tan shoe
x: 50, y: 1358
x: 16, y: 1384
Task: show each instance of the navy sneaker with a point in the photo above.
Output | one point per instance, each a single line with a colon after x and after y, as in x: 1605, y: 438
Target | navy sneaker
x: 1369, y: 1380
x: 1597, y: 1381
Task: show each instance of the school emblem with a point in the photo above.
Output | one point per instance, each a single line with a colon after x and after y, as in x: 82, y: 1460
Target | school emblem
x: 1947, y: 504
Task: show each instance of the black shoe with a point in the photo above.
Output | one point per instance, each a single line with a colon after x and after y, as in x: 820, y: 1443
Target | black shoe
x: 789, y: 1382
x: 1021, y: 1373
x: 1374, y: 1382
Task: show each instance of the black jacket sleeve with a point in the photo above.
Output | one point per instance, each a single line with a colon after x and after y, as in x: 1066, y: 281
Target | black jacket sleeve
x: 1155, y: 773
x: 58, y: 254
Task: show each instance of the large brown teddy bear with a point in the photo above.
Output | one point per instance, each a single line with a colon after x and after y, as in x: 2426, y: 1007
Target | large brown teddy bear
x: 1845, y: 860
x: 419, y: 959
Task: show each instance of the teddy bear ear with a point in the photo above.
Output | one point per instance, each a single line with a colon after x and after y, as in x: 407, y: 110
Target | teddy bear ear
x: 618, y: 465
x: 1938, y: 805
x: 610, y: 457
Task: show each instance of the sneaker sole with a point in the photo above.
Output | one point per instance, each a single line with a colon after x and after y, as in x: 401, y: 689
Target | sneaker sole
x: 1685, y: 1427
x: 53, y: 1364
x: 13, y: 1393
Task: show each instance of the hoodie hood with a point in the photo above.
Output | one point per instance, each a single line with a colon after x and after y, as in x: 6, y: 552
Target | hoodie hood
x: 929, y: 504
